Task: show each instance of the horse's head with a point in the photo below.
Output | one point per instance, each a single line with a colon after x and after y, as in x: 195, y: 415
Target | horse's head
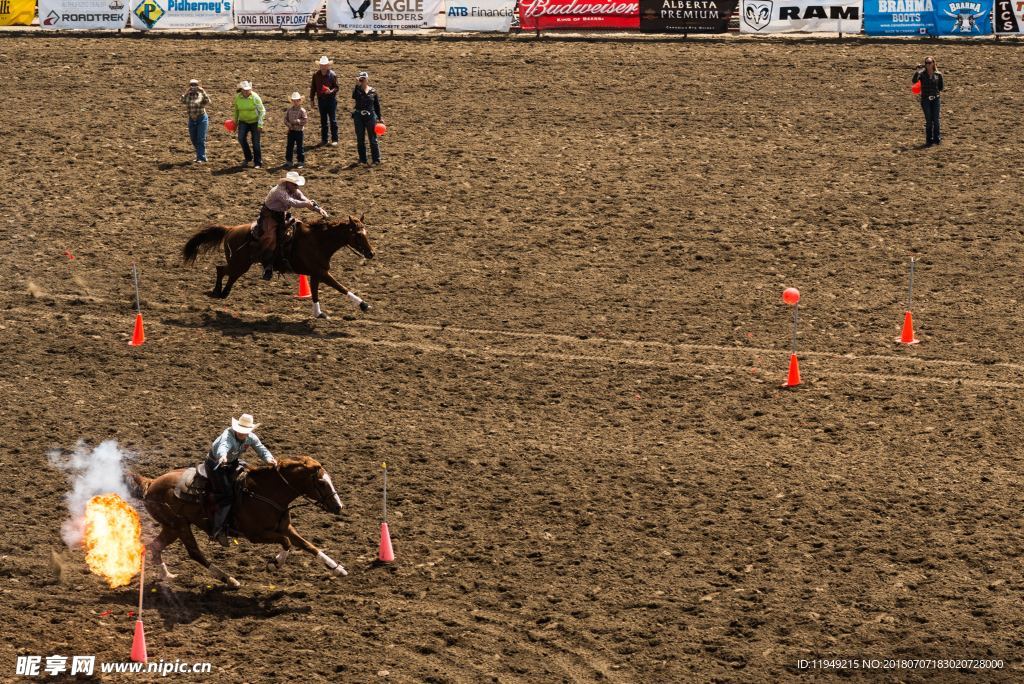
x: 307, y: 477
x: 354, y: 232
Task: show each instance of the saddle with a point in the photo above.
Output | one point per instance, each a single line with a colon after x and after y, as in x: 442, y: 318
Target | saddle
x: 194, y: 484
x: 285, y: 237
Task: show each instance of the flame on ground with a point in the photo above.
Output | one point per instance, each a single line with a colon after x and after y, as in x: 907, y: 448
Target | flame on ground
x: 113, y: 539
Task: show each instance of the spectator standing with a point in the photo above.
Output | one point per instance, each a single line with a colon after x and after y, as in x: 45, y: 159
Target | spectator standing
x: 324, y: 91
x: 931, y: 86
x: 196, y: 100
x: 295, y: 118
x: 248, y: 112
x: 366, y: 114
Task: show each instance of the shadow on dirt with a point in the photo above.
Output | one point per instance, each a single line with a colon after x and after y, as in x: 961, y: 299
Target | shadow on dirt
x: 233, y: 326
x: 184, y: 606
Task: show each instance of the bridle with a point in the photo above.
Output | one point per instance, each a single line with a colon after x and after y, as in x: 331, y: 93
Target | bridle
x: 284, y: 509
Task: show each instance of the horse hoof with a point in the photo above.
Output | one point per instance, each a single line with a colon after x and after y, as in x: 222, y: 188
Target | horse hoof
x: 341, y: 571
x: 213, y: 294
x: 364, y: 307
x: 232, y: 582
x: 324, y: 316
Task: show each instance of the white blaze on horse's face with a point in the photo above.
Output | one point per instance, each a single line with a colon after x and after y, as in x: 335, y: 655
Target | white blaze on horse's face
x: 327, y: 478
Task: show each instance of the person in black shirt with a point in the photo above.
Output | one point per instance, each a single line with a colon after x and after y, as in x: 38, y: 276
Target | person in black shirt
x: 931, y: 86
x: 366, y: 115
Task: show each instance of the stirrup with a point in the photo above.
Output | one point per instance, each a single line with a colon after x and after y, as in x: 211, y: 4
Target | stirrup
x: 221, y: 538
x: 268, y: 272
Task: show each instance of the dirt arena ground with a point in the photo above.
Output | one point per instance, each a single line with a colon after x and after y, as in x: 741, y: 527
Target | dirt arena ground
x: 572, y: 366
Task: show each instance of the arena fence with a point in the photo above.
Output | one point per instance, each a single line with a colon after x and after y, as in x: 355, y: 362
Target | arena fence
x: 958, y: 18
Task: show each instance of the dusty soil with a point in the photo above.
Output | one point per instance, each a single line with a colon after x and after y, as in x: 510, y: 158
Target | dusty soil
x: 572, y: 366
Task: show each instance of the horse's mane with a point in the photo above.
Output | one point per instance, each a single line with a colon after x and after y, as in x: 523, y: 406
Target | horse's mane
x: 305, y: 461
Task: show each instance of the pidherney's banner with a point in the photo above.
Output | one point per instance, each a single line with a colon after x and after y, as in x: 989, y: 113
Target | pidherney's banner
x: 17, y: 12
x: 686, y: 16
x: 579, y: 14
x: 156, y: 15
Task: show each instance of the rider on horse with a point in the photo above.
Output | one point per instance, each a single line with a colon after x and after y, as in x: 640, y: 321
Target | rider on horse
x: 222, y: 461
x: 273, y: 218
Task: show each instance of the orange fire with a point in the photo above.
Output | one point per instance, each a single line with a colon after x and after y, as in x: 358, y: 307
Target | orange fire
x: 113, y: 539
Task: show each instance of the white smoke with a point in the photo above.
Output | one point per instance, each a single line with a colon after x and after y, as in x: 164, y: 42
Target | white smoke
x: 90, y: 472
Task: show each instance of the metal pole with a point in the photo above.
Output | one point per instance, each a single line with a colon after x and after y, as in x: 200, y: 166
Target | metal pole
x: 385, y: 466
x: 910, y: 288
x: 135, y: 278
x: 142, y: 582
x: 796, y: 317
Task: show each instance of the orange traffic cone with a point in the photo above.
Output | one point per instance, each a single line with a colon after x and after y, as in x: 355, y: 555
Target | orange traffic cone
x: 304, y: 291
x: 907, y: 336
x: 386, y: 554
x: 139, y: 334
x: 139, y: 644
x: 794, y: 372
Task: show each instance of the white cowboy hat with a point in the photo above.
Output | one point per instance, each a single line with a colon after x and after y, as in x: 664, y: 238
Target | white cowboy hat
x: 324, y: 60
x: 244, y: 424
x: 245, y: 85
x: 194, y: 81
x: 363, y: 74
x: 296, y: 96
x: 294, y: 177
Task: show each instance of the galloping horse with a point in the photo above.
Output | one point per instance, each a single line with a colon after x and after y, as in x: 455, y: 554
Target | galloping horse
x: 260, y: 510
x: 313, y: 245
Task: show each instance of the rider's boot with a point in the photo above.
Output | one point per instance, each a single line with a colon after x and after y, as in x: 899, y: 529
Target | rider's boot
x: 220, y: 524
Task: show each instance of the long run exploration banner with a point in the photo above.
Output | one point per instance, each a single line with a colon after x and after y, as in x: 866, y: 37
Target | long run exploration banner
x: 383, y: 15
x: 255, y: 15
x: 156, y: 15
x: 686, y: 16
x: 17, y: 12
x: 1009, y: 16
x: 806, y: 16
x: 480, y: 15
x: 899, y: 17
x: 579, y: 14
x: 57, y: 15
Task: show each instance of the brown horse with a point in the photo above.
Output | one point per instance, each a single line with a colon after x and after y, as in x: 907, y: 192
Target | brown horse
x: 260, y: 510
x: 313, y: 245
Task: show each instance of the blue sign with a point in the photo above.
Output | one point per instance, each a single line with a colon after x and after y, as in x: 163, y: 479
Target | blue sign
x: 899, y: 18
x: 963, y: 17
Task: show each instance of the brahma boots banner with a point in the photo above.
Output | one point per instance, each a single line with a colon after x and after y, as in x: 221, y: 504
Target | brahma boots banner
x: 899, y: 17
x: 963, y: 18
x: 579, y: 14
x: 58, y: 15
x: 17, y: 12
x: 254, y: 15
x: 156, y: 15
x: 480, y: 15
x: 383, y: 15
x: 805, y: 16
x: 1009, y: 16
x: 686, y: 16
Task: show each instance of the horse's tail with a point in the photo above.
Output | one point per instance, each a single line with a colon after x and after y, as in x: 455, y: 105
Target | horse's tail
x: 202, y: 242
x: 138, y: 485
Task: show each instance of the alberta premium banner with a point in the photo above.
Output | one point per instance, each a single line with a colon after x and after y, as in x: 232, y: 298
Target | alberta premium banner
x: 579, y: 14
x: 1009, y: 16
x: 383, y: 15
x: 256, y: 15
x: 57, y: 15
x: 156, y: 15
x: 804, y: 16
x: 686, y: 16
x: 17, y: 12
x: 480, y: 15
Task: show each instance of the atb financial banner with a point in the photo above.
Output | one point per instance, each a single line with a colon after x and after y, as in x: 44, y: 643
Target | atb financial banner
x: 156, y: 15
x: 479, y: 15
x: 255, y: 15
x: 804, y: 16
x: 686, y: 16
x: 383, y: 15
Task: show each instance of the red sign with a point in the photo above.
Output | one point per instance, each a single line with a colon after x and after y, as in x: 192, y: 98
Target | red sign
x: 579, y: 14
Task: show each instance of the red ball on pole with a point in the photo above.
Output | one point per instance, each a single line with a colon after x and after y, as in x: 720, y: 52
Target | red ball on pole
x: 791, y: 295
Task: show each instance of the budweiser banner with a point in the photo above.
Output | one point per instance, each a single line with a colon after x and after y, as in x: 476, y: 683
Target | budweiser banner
x: 1009, y: 16
x: 255, y: 15
x: 686, y: 16
x: 17, y: 12
x: 899, y: 17
x: 806, y: 16
x: 579, y: 14
x: 384, y: 15
x: 963, y: 18
x: 83, y: 14
x: 149, y: 15
x: 480, y: 15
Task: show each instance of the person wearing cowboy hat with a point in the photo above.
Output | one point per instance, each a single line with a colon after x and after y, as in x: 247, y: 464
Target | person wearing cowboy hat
x: 273, y: 217
x: 324, y: 91
x: 221, y: 463
x: 196, y: 100
x: 248, y: 112
x: 295, y: 118
x: 366, y: 115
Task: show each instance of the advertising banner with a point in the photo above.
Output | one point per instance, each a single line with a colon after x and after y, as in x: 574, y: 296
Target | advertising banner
x: 156, y: 15
x: 17, y: 12
x: 1009, y: 16
x: 805, y: 16
x: 383, y: 15
x: 686, y: 16
x: 579, y: 14
x: 480, y: 15
x: 56, y: 15
x: 256, y: 15
x: 960, y: 18
x: 899, y: 17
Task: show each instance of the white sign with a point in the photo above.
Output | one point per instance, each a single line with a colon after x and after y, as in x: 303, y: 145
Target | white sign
x: 383, y: 15
x: 256, y: 15
x: 154, y: 15
x: 807, y: 16
x: 57, y: 15
x: 480, y: 15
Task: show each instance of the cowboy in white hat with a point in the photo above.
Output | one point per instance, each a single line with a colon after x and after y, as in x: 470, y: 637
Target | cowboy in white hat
x: 222, y: 461
x: 273, y: 217
x: 323, y: 90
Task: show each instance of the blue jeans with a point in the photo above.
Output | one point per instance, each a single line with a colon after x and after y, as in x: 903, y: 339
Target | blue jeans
x: 197, y: 134
x: 931, y: 120
x: 365, y: 128
x: 295, y: 143
x: 328, y: 107
x: 244, y: 129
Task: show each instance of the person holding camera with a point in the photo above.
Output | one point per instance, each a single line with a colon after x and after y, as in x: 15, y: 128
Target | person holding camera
x: 196, y: 100
x: 931, y: 86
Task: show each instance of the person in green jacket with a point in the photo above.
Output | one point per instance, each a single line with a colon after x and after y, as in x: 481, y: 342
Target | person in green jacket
x: 248, y: 112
